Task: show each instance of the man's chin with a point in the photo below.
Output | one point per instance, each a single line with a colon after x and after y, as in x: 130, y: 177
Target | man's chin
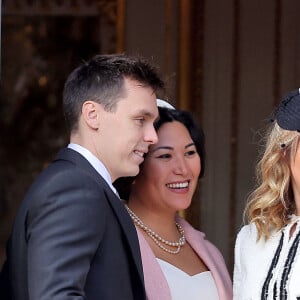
x: 134, y: 173
x: 131, y: 171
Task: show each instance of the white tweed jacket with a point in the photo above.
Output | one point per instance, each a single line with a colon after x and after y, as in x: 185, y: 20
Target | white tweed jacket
x: 266, y: 270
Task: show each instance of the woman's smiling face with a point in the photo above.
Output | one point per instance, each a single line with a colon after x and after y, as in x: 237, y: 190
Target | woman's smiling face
x: 171, y: 169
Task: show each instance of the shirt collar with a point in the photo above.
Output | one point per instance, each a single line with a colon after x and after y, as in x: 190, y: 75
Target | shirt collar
x: 95, y: 162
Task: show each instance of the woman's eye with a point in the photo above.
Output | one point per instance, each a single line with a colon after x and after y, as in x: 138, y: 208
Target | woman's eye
x: 191, y: 153
x: 164, y: 156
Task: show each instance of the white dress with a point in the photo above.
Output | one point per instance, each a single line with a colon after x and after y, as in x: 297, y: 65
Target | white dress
x: 266, y: 270
x: 186, y: 287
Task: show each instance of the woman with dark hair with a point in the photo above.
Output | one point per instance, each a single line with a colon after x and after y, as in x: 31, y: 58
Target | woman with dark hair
x: 178, y: 262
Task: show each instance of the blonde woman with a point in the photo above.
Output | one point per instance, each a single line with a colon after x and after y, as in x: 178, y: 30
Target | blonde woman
x: 267, y: 250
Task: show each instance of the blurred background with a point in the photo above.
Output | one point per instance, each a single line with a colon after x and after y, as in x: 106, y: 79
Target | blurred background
x: 229, y: 62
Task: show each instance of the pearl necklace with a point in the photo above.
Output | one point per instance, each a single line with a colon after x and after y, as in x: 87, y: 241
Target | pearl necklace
x: 156, y: 238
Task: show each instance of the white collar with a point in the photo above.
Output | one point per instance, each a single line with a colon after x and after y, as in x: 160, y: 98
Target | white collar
x: 95, y: 162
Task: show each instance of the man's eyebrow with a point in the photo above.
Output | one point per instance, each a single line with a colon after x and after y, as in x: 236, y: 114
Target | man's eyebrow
x: 147, y: 113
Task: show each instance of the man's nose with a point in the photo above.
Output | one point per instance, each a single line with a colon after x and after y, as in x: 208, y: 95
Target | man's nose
x: 151, y: 135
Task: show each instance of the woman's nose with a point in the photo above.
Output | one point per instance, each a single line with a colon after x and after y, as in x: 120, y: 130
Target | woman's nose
x: 181, y: 167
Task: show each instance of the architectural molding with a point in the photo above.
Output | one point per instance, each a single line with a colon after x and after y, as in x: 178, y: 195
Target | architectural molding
x: 61, y: 7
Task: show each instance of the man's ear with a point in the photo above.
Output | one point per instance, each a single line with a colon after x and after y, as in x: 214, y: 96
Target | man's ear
x: 91, y: 114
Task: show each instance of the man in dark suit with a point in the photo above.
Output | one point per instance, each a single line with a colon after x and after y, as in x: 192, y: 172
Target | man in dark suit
x: 72, y: 237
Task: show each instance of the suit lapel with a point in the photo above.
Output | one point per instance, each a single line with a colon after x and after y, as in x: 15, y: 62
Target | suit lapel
x: 128, y: 229
x: 115, y: 203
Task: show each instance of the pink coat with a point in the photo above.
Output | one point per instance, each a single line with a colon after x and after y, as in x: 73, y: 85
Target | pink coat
x: 156, y: 285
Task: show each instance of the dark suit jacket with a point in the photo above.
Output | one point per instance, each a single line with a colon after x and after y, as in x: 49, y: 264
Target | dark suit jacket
x: 72, y: 239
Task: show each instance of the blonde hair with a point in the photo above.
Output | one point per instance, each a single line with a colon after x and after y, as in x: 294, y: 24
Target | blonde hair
x: 271, y: 203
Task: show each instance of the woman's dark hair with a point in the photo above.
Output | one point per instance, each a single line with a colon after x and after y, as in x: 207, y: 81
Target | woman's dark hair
x: 167, y: 115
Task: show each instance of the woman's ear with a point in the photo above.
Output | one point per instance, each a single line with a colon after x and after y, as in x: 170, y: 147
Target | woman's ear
x: 91, y: 114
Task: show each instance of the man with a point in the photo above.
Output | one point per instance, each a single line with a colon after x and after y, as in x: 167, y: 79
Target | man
x: 72, y: 237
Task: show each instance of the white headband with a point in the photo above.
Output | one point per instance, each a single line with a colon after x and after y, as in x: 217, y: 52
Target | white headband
x: 163, y: 103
